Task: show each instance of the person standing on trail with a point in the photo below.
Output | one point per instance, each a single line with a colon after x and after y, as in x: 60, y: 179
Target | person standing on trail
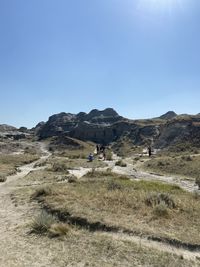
x: 149, y: 151
x: 104, y: 155
x: 97, y: 149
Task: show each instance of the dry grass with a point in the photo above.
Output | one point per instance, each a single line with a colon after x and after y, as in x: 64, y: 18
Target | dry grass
x: 59, y: 167
x: 42, y: 191
x: 154, y: 199
x: 91, y: 197
x: 59, y: 229
x: 68, y: 164
x: 83, y: 248
x: 78, y: 150
x: 122, y: 203
x: 185, y: 165
x: 9, y: 163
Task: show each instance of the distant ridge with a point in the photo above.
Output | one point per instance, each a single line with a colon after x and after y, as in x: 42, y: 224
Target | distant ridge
x: 168, y: 116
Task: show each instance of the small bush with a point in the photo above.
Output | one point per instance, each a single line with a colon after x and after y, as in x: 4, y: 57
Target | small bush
x: 42, y: 223
x: 155, y: 199
x: 92, y: 173
x: 197, y: 181
x: 187, y: 158
x: 72, y: 179
x: 59, y: 229
x: 113, y: 185
x: 120, y: 163
x: 59, y: 167
x: 160, y: 210
x: 43, y: 191
x: 160, y: 163
x: 2, y: 179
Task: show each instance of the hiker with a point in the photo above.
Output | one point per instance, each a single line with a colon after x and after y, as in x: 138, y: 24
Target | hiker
x: 90, y: 157
x: 104, y: 155
x: 97, y: 149
x: 102, y: 148
x: 149, y: 151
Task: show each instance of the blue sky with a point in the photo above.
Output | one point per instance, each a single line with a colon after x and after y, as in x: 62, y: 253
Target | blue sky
x: 141, y: 57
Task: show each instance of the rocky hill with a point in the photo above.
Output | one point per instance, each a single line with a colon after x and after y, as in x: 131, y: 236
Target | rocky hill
x: 10, y: 132
x: 168, y: 116
x: 108, y: 126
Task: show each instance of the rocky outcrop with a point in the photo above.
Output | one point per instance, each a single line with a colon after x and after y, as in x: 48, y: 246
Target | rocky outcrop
x: 81, y: 125
x: 10, y: 132
x: 107, y: 126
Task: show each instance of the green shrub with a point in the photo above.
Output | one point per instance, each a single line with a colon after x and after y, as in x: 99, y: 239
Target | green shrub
x: 160, y: 210
x: 42, y: 223
x: 154, y: 199
x: 59, y: 167
x: 113, y: 185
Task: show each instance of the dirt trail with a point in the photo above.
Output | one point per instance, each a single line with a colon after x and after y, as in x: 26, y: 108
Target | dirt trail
x: 18, y: 249
x: 141, y: 241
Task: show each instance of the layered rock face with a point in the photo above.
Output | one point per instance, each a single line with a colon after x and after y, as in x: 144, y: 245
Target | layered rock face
x: 94, y: 126
x: 107, y: 126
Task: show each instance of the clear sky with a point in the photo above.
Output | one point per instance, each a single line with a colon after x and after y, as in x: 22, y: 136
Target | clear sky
x: 141, y: 57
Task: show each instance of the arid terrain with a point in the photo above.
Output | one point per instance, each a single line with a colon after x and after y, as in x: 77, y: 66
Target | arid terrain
x: 59, y: 209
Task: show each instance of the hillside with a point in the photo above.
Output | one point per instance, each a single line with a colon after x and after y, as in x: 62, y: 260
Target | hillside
x: 108, y: 126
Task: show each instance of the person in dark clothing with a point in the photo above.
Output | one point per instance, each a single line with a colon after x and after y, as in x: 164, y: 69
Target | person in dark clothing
x: 98, y: 149
x: 102, y: 148
x: 90, y: 157
x: 149, y: 151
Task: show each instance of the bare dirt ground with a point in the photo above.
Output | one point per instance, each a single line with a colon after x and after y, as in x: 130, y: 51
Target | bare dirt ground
x: 19, y: 249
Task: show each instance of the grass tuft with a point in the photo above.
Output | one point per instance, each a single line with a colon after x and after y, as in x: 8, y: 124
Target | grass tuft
x: 160, y: 210
x: 113, y: 185
x: 59, y: 229
x: 42, y: 191
x: 42, y: 223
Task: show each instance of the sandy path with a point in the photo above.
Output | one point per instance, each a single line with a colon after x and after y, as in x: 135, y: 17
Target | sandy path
x: 141, y: 241
x: 16, y: 246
